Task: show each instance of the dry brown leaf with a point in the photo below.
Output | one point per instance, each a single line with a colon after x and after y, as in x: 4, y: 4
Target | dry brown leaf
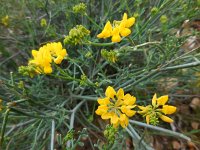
x: 195, y: 103
x: 195, y: 125
x: 176, y: 145
x: 192, y: 146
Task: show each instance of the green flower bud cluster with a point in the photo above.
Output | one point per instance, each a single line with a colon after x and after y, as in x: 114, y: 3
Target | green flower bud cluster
x: 154, y: 10
x: 110, y: 56
x: 69, y: 136
x: 154, y: 119
x: 43, y: 22
x: 27, y: 70
x: 88, y: 54
x: 110, y: 133
x: 20, y: 84
x: 76, y: 35
x: 163, y: 19
x: 83, y: 79
x: 80, y: 8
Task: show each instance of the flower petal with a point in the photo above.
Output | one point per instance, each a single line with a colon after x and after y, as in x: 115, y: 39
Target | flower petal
x: 166, y: 119
x: 125, y: 32
x: 114, y: 118
x: 110, y: 92
x: 101, y: 109
x: 130, y: 22
x: 123, y: 120
x: 144, y: 109
x: 162, y: 100
x: 125, y: 16
x: 106, y: 32
x: 147, y: 118
x: 168, y: 109
x: 106, y: 115
x: 103, y: 101
x: 154, y: 100
x: 129, y: 100
x: 120, y: 93
x: 116, y: 38
x: 47, y: 69
x: 128, y: 111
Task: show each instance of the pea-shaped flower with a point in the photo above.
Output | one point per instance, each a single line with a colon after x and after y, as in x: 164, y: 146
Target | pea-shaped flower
x: 116, y: 106
x: 158, y: 109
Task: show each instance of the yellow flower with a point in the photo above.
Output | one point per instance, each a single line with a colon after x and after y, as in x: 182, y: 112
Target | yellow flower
x: 57, y: 52
x: 116, y: 106
x: 158, y: 109
x: 43, y: 58
x: 119, y: 28
x: 5, y: 20
x: 107, y: 31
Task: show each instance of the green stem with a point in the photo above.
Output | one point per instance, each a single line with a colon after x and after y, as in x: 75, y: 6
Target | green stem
x: 98, y: 44
x: 4, y: 126
x: 85, y: 97
x: 13, y: 103
x: 169, y: 132
x: 138, y: 140
x: 194, y: 64
x: 52, y: 134
x: 29, y: 114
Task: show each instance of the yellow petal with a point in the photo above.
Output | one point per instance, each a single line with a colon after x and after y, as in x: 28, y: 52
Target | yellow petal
x: 108, y: 26
x: 166, y: 119
x: 34, y: 53
x: 47, y: 69
x: 58, y: 60
x: 127, y: 111
x: 116, y: 38
x: 106, y: 115
x: 114, y: 118
x: 162, y: 100
x: 103, y: 101
x: 129, y: 100
x: 154, y: 100
x: 107, y: 31
x: 116, y: 125
x: 101, y: 110
x: 100, y: 35
x: 125, y: 32
x: 147, y: 118
x: 120, y: 93
x: 110, y: 92
x: 63, y: 53
x: 130, y: 113
x: 123, y: 120
x: 125, y: 16
x: 118, y: 103
x: 167, y: 109
x: 144, y: 109
x: 130, y: 22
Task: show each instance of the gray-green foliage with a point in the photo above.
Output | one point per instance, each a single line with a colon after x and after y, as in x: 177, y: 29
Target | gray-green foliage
x: 68, y: 96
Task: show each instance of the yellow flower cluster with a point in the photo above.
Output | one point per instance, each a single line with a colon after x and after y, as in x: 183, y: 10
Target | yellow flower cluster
x: 116, y: 106
x: 119, y: 28
x: 42, y: 59
x: 158, y: 109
